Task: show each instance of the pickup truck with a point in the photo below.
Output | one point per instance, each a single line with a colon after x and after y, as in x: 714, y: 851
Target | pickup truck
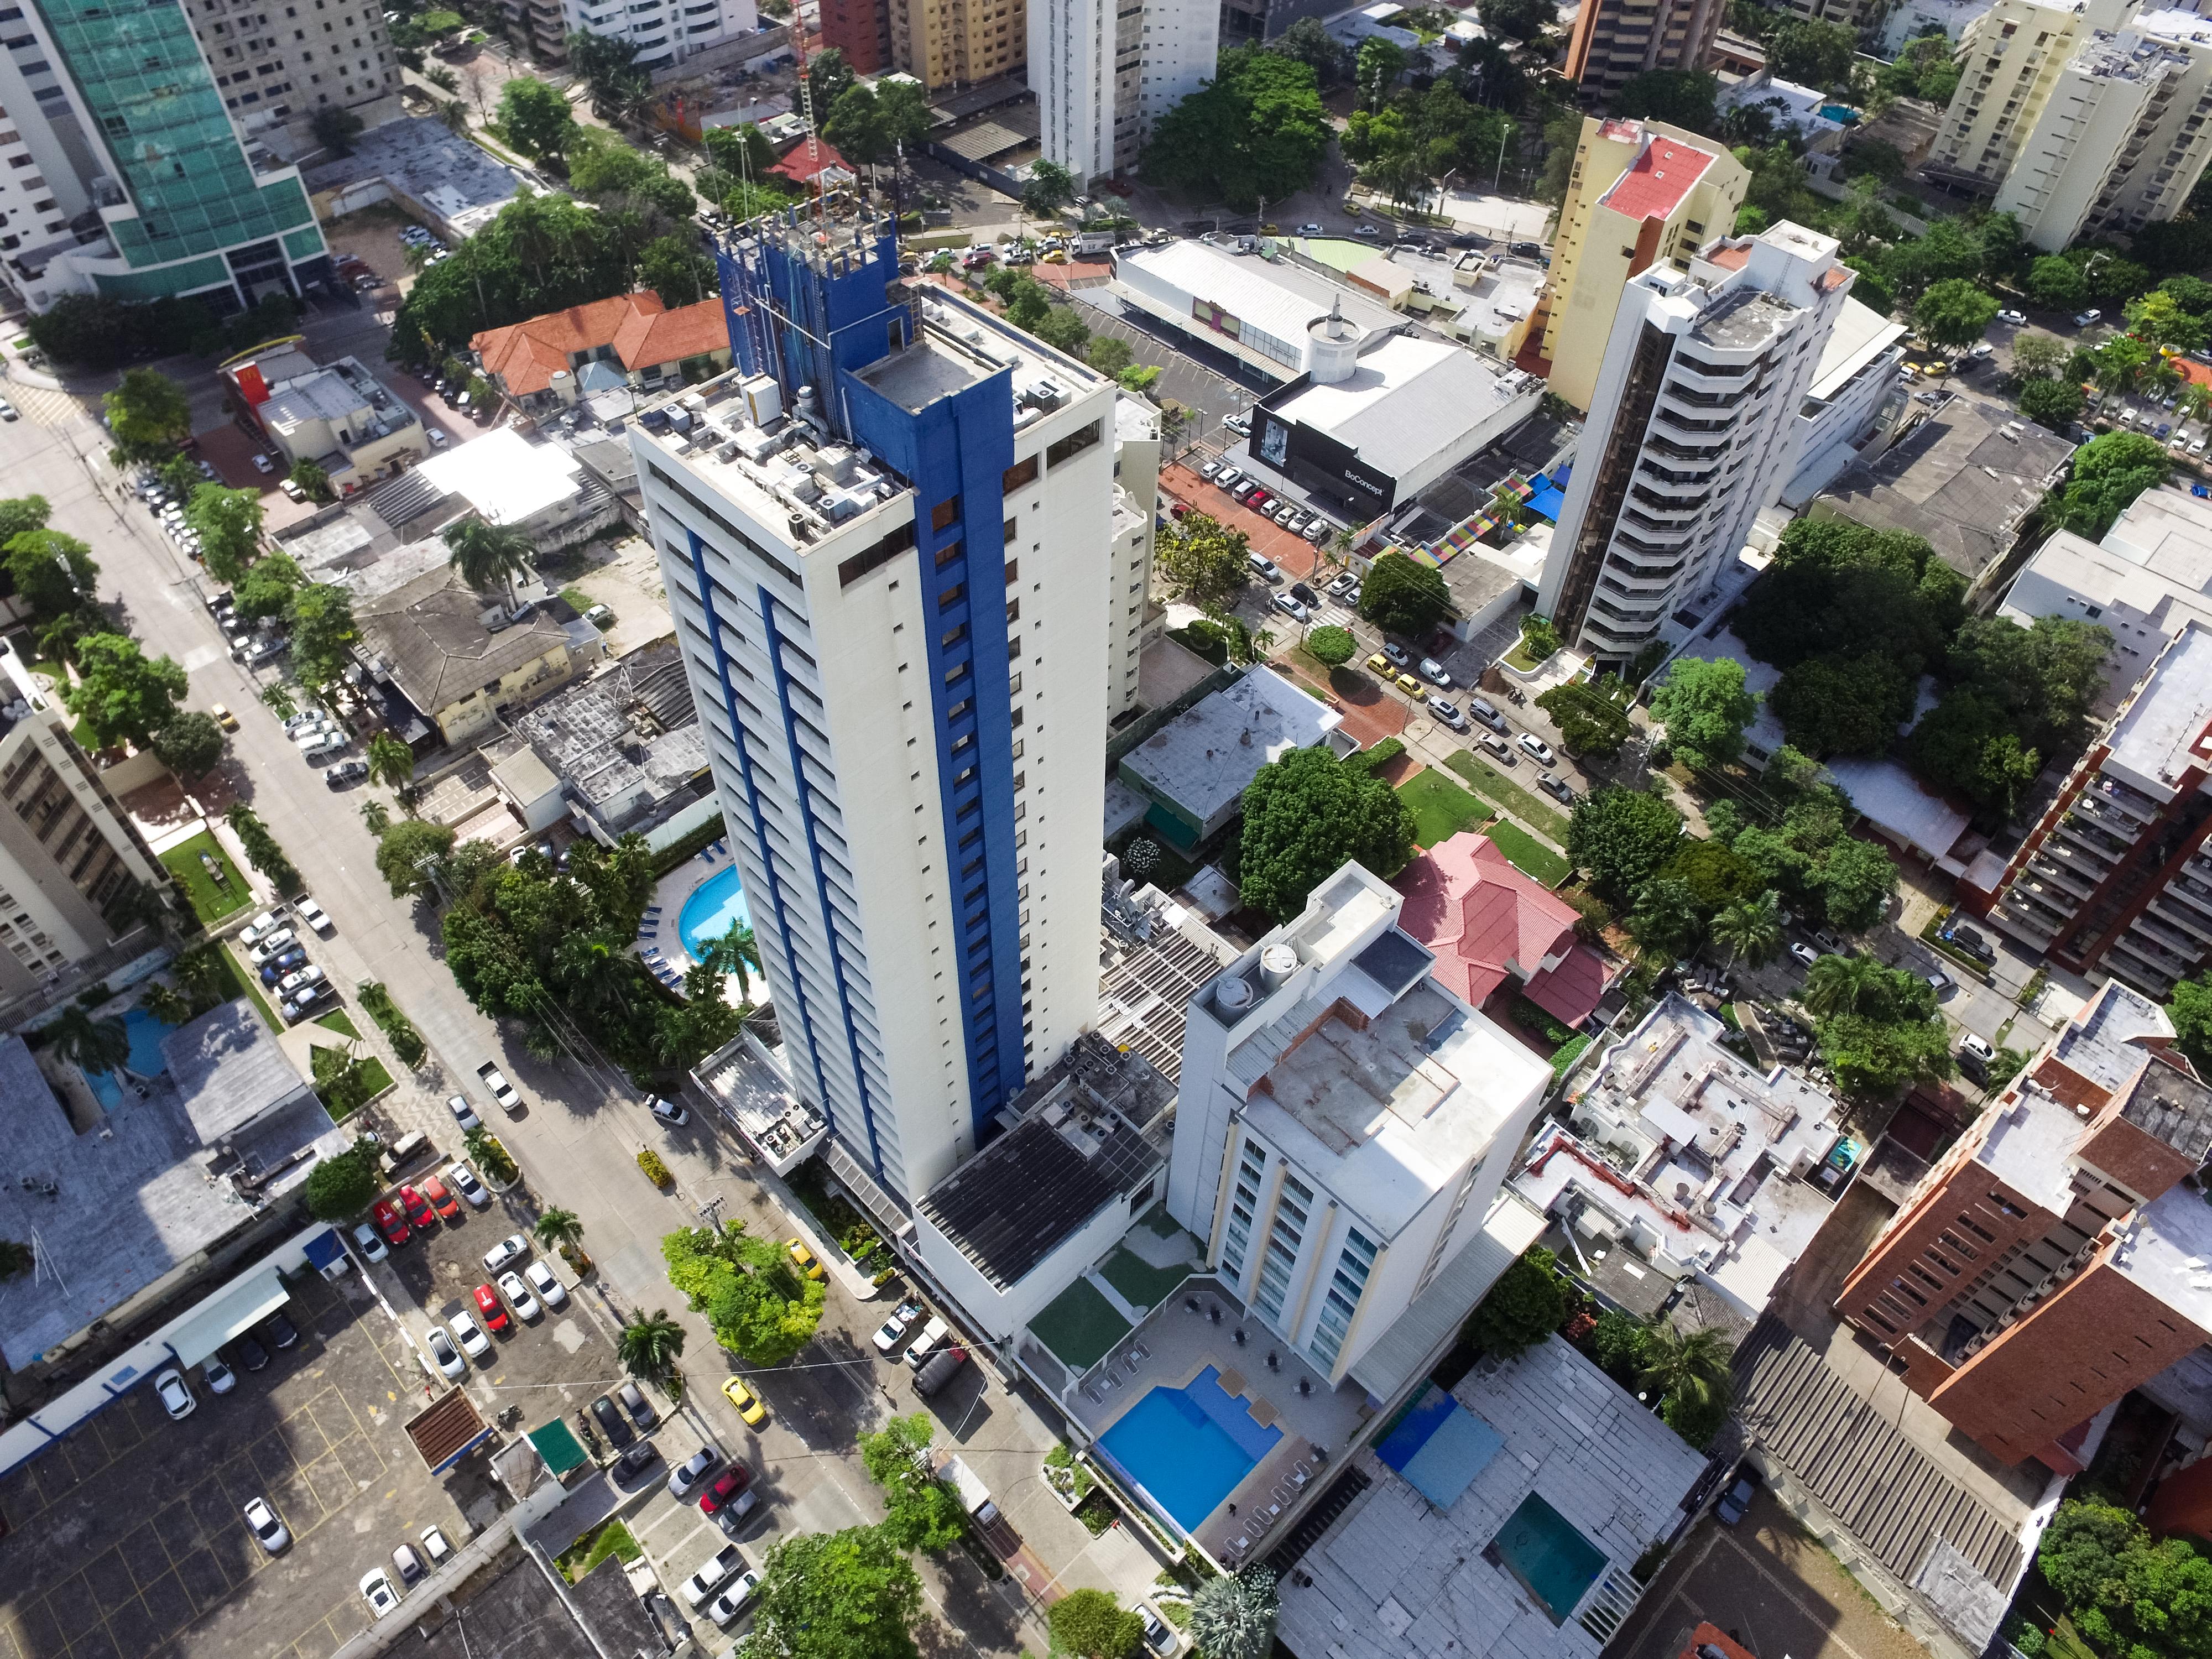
x: 501, y: 1090
x: 714, y: 1572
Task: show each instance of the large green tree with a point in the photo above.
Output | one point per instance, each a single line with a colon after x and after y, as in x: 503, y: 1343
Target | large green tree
x: 230, y: 525
x: 267, y: 588
x: 1256, y: 131
x: 2109, y: 473
x: 2053, y: 404
x: 53, y: 573
x: 410, y: 853
x: 761, y: 1310
x: 149, y: 415
x: 850, y: 1594
x: 1704, y: 707
x: 1202, y: 562
x: 920, y: 1511
x: 1305, y: 816
x: 1405, y: 597
x: 1837, y: 705
x: 1090, y: 1623
x: 323, y: 632
x: 1813, y: 54
x: 1522, y: 1307
x: 189, y: 744
x: 344, y: 1184
x: 2189, y: 1008
x: 1621, y: 838
x: 1954, y: 312
x: 608, y: 65
x: 536, y: 118
x: 121, y: 692
x: 1839, y: 589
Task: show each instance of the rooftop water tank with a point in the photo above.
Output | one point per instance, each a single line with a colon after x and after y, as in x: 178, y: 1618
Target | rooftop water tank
x: 1277, y: 963
x: 1332, y: 346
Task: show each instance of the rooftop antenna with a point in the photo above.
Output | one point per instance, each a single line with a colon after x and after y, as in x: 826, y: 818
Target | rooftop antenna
x: 807, y: 108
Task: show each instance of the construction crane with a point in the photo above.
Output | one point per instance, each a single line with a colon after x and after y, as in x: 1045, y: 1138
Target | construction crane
x: 806, y: 107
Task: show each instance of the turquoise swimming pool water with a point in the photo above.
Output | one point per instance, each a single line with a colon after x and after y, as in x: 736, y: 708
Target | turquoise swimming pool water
x: 1539, y: 1547
x: 146, y: 1034
x: 716, y: 905
x: 1189, y: 1447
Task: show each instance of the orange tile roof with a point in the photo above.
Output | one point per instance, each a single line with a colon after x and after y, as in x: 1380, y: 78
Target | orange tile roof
x: 797, y: 167
x: 643, y: 332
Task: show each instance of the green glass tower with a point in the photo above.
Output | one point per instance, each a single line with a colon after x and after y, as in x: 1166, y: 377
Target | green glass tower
x: 195, y: 215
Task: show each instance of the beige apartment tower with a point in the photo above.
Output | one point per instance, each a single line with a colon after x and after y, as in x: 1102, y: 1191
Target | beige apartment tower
x: 942, y: 43
x: 1616, y: 40
x: 1641, y: 193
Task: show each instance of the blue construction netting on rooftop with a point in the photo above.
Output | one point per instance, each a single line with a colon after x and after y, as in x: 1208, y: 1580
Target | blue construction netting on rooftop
x: 1548, y: 503
x: 1439, y: 1446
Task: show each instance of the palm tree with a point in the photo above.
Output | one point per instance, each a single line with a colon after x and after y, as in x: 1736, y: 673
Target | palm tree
x: 1843, y: 985
x: 560, y: 1229
x: 649, y: 1346
x: 205, y: 976
x: 166, y: 1003
x: 489, y: 554
x: 732, y: 952
x: 94, y: 1045
x: 1234, y: 1617
x: 391, y: 761
x: 1693, y: 1368
x: 1750, y: 931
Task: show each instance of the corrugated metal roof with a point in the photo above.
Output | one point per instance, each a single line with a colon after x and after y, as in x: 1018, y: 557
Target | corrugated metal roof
x: 1884, y: 1489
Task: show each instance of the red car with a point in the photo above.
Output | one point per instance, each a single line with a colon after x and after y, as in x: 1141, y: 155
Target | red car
x: 732, y: 1482
x: 442, y: 1201
x: 419, y: 1208
x: 390, y: 1222
x: 493, y: 1309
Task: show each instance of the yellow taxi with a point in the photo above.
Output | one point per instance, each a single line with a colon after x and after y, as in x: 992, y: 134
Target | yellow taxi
x: 1913, y: 368
x: 1379, y: 664
x: 803, y: 1259
x: 1056, y: 258
x: 1935, y: 371
x: 223, y: 717
x: 1409, y: 685
x: 747, y: 1402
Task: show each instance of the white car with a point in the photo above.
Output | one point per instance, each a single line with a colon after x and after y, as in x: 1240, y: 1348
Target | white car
x: 1434, y: 673
x: 1804, y: 953
x: 519, y: 1297
x: 469, y: 1335
x: 323, y: 747
x: 437, y: 437
x: 464, y: 1114
x: 551, y: 1290
x: 505, y: 1254
x: 725, y: 1608
x: 435, y: 1546
x: 176, y: 1398
x: 714, y: 1572
x: 218, y: 1375
x: 271, y: 945
x: 1978, y: 1047
x: 261, y: 927
x: 892, y: 1331
x: 667, y: 1111
x: 268, y: 1531
x: 1536, y: 746
x: 464, y: 1182
x: 442, y: 1354
x: 314, y: 732
x: 375, y: 1585
x: 297, y: 981
x: 688, y: 1476
x: 2089, y: 317
x: 313, y: 914
x: 263, y: 463
x: 370, y: 1244
x: 2014, y: 317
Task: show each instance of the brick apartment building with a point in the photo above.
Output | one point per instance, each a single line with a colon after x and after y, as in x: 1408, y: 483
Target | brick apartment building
x: 2052, y: 1261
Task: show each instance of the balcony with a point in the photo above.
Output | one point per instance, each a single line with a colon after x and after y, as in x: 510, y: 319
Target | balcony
x: 1639, y: 545
x: 2186, y: 886
x: 1647, y: 501
x: 2089, y: 840
x: 2169, y: 939
x: 1691, y: 398
x: 2181, y: 921
x: 2028, y: 921
x: 1666, y: 421
x: 2140, y: 966
x: 2101, y: 809
x: 1659, y: 446
x: 1666, y: 566
x: 2075, y: 880
x: 2045, y: 895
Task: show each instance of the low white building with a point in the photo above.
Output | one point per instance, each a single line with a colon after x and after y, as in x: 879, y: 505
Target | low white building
x: 1345, y: 1124
x: 664, y: 31
x: 1195, y: 768
x: 1700, y: 1165
x: 336, y: 415
x: 1133, y: 623
x: 1256, y: 310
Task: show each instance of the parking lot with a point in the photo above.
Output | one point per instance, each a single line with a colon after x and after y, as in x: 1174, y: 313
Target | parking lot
x: 127, y: 1540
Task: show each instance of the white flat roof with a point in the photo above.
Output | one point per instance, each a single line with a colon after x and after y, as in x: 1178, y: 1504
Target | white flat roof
x: 1406, y: 399
x: 1900, y: 806
x: 1861, y: 334
x: 2161, y: 732
x: 504, y: 476
x: 1204, y: 758
x: 1279, y: 298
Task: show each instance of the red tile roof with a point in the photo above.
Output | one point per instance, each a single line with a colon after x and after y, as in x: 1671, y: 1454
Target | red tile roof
x: 800, y: 169
x: 642, y: 331
x: 1732, y: 258
x: 1488, y: 923
x: 1655, y: 185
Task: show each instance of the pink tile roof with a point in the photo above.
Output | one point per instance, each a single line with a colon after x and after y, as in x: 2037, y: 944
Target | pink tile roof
x: 1655, y: 185
x: 1486, y: 921
x: 798, y: 167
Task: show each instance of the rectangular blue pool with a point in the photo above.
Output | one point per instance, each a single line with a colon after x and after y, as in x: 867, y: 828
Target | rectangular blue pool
x: 1189, y: 1447
x: 1554, y: 1563
x: 146, y: 1058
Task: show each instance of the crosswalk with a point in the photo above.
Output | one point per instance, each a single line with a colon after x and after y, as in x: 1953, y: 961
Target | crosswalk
x: 43, y: 406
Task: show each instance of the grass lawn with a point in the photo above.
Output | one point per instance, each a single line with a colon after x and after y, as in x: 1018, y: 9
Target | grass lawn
x: 1441, y: 808
x: 374, y: 1077
x: 588, y: 1551
x: 1079, y: 1325
x: 210, y: 902
x: 1518, y: 657
x: 1488, y: 781
x: 337, y: 1022
x: 1145, y: 1285
x: 250, y: 982
x: 1529, y: 856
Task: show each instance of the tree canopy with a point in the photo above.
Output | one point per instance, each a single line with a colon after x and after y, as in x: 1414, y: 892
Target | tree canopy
x: 2109, y: 473
x: 850, y: 1594
x: 542, y: 252
x: 191, y: 744
x: 1837, y: 588
x: 1402, y: 597
x: 536, y: 118
x: 1621, y: 837
x: 121, y: 692
x: 922, y: 1512
x: 344, y: 1184
x: 1704, y: 707
x: 762, y: 1310
x: 1955, y: 312
x: 148, y: 415
x: 1256, y: 130
x: 1090, y: 1623
x: 1304, y: 815
x: 1522, y: 1307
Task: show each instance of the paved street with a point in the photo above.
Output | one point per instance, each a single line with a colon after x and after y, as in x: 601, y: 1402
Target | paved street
x: 576, y: 1141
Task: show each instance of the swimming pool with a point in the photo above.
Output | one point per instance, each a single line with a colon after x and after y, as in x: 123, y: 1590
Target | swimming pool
x: 1189, y: 1447
x: 1556, y: 1564
x: 716, y: 905
x: 146, y: 1058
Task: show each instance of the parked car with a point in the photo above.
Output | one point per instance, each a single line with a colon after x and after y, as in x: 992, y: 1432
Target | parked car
x: 2012, y: 317
x: 304, y: 1002
x: 728, y: 1491
x: 464, y: 1114
x: 1498, y: 747
x: 268, y: 1531
x: 1345, y: 582
x: 216, y: 1373
x: 1304, y: 594
x: 1978, y: 1047
x: 1289, y: 607
x: 519, y: 1297
x: 323, y: 747
x: 1319, y: 531
x: 365, y: 1239
x: 667, y: 1111
x: 346, y: 772
x: 1731, y: 1508
x: 176, y: 1397
x: 1446, y: 711
x: 313, y: 914
x: 1556, y: 787
x: 272, y: 946
x: 1486, y: 711
x: 1536, y: 746
x: 893, y: 1330
x: 725, y: 1608
x: 444, y: 1355
x: 277, y: 966
x: 1434, y: 673
x: 641, y: 1409
x: 466, y: 1332
x: 505, y: 1254
x: 2090, y: 316
x: 375, y: 1588
x: 1397, y: 655
x: 712, y: 1573
x: 408, y: 1564
x: 471, y: 1190
x: 685, y: 1478
x: 280, y: 1331
x: 1804, y: 953
x: 434, y: 1547
x: 262, y: 463
x: 618, y: 1432
x: 389, y: 1221
x: 748, y: 1404
x: 298, y: 979
x: 540, y: 1278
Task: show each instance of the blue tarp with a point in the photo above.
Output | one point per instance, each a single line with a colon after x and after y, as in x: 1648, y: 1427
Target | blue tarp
x: 324, y: 1249
x: 1560, y: 478
x: 1439, y: 1446
x: 1548, y: 503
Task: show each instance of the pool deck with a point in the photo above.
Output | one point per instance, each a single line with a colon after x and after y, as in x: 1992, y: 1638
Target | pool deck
x: 659, y: 939
x: 1170, y: 1347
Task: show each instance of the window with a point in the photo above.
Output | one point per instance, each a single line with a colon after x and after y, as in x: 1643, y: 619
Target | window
x: 950, y: 597
x: 1074, y: 444
x: 948, y: 554
x: 1013, y: 571
x: 874, y: 558
x: 942, y: 515
x: 1019, y: 476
